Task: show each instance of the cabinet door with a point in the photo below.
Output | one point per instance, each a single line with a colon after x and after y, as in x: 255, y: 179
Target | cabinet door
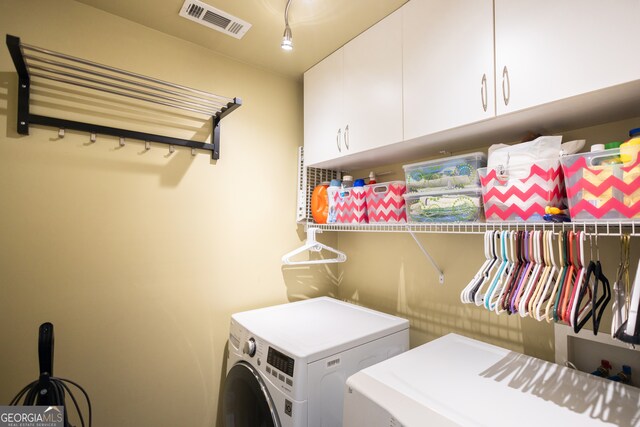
x: 323, y: 110
x: 373, y: 86
x: 557, y: 49
x: 447, y: 64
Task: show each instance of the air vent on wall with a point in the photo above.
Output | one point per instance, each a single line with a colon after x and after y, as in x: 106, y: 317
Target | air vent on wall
x: 211, y: 17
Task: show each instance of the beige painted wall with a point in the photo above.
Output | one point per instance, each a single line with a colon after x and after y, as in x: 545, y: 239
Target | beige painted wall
x: 388, y: 272
x: 139, y: 258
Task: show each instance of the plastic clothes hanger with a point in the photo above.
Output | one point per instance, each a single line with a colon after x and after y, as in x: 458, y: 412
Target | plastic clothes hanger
x: 512, y: 282
x: 545, y: 295
x: 542, y: 280
x: 580, y: 313
x: 552, y: 305
x: 599, y: 305
x: 571, y: 313
x: 513, y: 262
x: 477, y: 277
x: 503, y: 264
x: 621, y: 286
x: 466, y: 296
x: 528, y: 253
x: 567, y: 285
x: 538, y: 265
x: 477, y: 295
x: 313, y: 246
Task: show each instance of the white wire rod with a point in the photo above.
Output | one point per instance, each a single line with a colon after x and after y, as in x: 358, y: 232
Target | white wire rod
x: 608, y: 228
x: 125, y: 88
x: 215, y: 103
x: 118, y: 70
x: 115, y: 92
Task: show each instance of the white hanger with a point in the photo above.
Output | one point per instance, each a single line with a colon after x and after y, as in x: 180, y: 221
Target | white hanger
x: 550, y: 278
x: 476, y: 282
x: 313, y: 246
x: 496, y: 296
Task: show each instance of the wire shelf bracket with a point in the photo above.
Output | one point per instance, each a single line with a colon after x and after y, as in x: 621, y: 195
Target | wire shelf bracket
x: 32, y: 61
x: 429, y: 257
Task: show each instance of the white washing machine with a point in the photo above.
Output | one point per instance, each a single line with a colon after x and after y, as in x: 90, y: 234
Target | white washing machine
x: 458, y: 381
x: 288, y: 364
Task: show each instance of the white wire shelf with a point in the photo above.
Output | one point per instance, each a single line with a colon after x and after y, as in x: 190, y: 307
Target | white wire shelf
x: 603, y: 228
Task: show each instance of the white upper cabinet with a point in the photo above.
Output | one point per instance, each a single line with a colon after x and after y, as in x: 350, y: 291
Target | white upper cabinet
x: 373, y: 86
x: 353, y: 98
x: 448, y: 71
x: 557, y: 49
x: 323, y: 113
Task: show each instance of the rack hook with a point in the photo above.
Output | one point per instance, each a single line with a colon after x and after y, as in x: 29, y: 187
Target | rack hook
x: 147, y: 146
x: 121, y: 142
x: 193, y: 151
x: 92, y: 137
x: 60, y: 133
x: 171, y: 149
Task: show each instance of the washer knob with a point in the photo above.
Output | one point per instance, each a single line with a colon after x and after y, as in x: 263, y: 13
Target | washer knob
x: 250, y: 347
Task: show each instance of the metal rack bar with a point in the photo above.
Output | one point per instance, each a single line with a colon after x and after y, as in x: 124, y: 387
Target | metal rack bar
x: 182, y: 97
x: 604, y: 228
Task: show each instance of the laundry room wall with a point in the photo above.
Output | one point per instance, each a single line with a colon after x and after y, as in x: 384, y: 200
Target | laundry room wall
x: 139, y: 257
x: 388, y: 272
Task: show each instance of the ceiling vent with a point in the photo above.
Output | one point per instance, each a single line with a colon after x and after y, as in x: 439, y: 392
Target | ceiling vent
x: 211, y: 17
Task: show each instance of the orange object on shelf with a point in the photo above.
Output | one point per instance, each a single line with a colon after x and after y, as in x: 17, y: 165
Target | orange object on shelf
x: 320, y: 203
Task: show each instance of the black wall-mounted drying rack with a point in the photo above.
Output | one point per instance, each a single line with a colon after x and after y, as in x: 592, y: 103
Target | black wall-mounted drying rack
x: 32, y: 61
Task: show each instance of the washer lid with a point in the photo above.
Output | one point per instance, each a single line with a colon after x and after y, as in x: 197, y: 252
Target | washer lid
x: 317, y: 328
x: 460, y: 381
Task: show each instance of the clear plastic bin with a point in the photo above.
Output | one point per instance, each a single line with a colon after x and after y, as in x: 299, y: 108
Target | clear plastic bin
x: 451, y: 206
x: 385, y: 203
x: 522, y: 192
x: 601, y: 187
x: 436, y: 176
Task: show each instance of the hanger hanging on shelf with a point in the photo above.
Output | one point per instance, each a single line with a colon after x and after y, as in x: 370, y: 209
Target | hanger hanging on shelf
x: 550, y: 279
x: 585, y: 284
x: 539, y: 286
x: 313, y: 245
x: 551, y: 312
x: 468, y: 293
x: 511, y: 269
x: 503, y: 263
x: 599, y: 304
x: 538, y: 265
x: 621, y: 286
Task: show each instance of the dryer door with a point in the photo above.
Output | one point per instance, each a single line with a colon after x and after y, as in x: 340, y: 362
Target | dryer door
x: 246, y: 401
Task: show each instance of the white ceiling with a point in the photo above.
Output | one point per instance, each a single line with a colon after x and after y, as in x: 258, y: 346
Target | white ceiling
x: 319, y: 27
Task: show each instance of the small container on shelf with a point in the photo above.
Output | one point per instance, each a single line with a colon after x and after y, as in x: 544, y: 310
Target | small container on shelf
x: 522, y: 192
x: 451, y: 173
x: 351, y: 205
x: 603, y: 185
x: 385, y: 203
x: 452, y: 206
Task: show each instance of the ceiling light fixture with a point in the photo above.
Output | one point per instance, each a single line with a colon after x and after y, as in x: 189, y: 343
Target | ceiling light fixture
x: 287, y: 38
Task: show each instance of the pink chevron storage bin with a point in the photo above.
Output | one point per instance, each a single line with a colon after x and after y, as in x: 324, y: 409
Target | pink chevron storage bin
x: 385, y: 203
x: 603, y: 185
x: 522, y: 192
x: 351, y: 206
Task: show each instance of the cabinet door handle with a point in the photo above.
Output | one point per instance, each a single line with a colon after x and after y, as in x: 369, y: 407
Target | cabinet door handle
x: 483, y: 92
x: 506, y: 93
x: 338, y: 135
x: 346, y: 137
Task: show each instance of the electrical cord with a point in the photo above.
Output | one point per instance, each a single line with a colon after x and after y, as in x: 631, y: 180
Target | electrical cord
x: 49, y: 390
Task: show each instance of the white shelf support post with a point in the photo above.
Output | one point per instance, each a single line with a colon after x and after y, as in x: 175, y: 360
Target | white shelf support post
x: 429, y: 257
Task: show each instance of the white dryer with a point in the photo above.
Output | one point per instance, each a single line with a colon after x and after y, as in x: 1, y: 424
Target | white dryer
x: 288, y: 364
x: 458, y: 381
